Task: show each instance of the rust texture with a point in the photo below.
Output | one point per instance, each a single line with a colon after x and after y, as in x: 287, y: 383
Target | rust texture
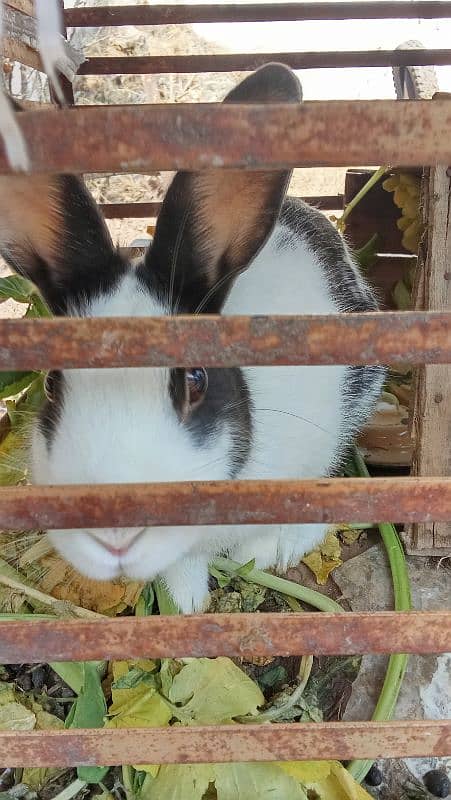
x: 230, y: 62
x: 199, y: 136
x: 225, y: 743
x: 142, y: 210
x: 226, y: 503
x: 388, y: 337
x: 253, y: 12
x: 240, y: 635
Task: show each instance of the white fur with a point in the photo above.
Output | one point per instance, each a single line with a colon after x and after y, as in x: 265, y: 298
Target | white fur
x: 120, y: 426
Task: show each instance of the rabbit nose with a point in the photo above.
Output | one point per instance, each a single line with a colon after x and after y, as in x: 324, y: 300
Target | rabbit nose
x: 117, y: 542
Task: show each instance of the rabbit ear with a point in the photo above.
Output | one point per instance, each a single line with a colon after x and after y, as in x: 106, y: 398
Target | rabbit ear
x: 213, y: 223
x: 51, y: 231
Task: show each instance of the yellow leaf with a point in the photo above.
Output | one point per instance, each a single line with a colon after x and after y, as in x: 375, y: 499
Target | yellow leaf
x: 329, y: 780
x: 211, y: 691
x: 324, y: 559
x: 138, y: 707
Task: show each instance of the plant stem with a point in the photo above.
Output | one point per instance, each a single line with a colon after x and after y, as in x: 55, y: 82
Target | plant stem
x: 397, y: 663
x: 63, y: 607
x: 282, y: 585
x: 128, y: 781
x: 70, y: 791
x: 360, y: 195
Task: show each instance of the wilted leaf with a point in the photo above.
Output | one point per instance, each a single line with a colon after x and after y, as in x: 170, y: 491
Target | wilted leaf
x: 139, y: 706
x: 213, y: 691
x: 15, y: 717
x: 329, y: 780
x: 325, y: 558
x: 180, y: 782
x: 105, y: 597
x: 232, y: 782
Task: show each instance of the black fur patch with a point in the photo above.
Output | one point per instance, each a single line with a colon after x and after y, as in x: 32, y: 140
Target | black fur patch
x: 50, y: 413
x: 227, y: 404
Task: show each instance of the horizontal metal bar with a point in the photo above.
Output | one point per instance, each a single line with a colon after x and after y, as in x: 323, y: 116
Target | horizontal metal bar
x: 381, y: 337
x: 247, y: 62
x: 226, y: 503
x: 253, y: 12
x: 233, y: 635
x: 201, y: 136
x: 227, y: 743
x: 144, y: 210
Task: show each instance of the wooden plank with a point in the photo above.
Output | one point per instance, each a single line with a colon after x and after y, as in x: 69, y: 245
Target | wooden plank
x: 145, y: 210
x: 248, y: 502
x: 197, y: 136
x: 227, y: 743
x: 365, y: 338
x: 252, y: 12
x: 247, y: 62
x: 432, y: 411
x: 233, y: 635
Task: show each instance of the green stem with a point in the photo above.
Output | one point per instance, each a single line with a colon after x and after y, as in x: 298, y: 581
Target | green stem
x: 397, y: 663
x: 128, y: 781
x: 360, y: 195
x: 315, y: 599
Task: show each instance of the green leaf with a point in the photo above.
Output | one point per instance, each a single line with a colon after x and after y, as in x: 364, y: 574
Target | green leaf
x: 14, y: 287
x: 144, y: 606
x: 89, y: 711
x: 11, y: 383
x: 245, y: 569
x: 134, y: 677
x: 213, y: 691
x: 401, y: 297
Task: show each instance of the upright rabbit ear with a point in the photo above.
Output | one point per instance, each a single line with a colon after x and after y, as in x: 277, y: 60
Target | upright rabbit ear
x: 213, y: 223
x: 52, y: 233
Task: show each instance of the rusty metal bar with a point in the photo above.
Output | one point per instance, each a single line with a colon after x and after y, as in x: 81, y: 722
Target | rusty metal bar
x: 144, y: 210
x: 202, y: 503
x: 231, y: 62
x: 253, y: 12
x: 225, y: 743
x: 388, y: 337
x: 201, y: 136
x: 233, y: 635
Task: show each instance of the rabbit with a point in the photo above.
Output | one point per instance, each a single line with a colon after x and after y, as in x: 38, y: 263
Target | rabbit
x: 57, y: 56
x: 228, y: 242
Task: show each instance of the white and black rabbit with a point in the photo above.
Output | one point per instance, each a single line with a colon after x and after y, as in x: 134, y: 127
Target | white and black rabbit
x: 226, y: 242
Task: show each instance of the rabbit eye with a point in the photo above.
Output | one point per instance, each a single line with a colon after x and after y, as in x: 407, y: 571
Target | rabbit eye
x: 197, y: 383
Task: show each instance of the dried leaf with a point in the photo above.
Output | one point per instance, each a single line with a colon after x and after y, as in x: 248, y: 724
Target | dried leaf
x: 324, y: 559
x: 15, y: 717
x: 105, y: 597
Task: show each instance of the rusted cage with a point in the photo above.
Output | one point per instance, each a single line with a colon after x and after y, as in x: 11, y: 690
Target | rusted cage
x: 116, y: 139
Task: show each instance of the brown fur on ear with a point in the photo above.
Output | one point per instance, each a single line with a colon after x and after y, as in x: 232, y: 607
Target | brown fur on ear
x: 30, y: 217
x: 213, y: 223
x: 52, y: 233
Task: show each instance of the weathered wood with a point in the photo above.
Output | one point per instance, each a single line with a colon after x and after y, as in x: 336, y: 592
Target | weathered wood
x: 233, y: 635
x: 365, y: 338
x: 200, y: 136
x: 226, y: 743
x: 203, y: 503
x: 432, y: 410
x: 143, y: 210
x: 232, y: 62
x: 252, y: 12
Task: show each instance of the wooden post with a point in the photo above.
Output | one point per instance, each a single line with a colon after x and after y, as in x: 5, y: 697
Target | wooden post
x: 431, y: 419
